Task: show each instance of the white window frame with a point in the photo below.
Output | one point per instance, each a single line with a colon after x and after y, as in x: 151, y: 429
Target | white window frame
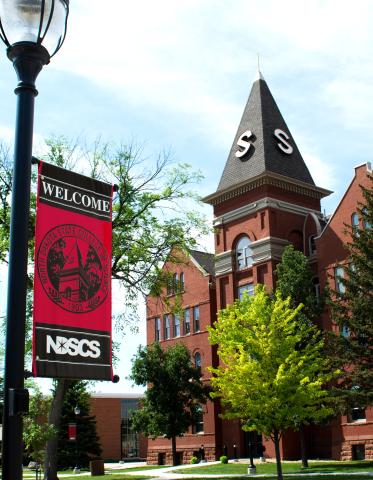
x: 244, y: 254
x: 241, y: 289
x: 176, y: 325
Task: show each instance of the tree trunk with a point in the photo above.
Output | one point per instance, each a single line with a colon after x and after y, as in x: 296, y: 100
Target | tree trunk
x: 276, y: 440
x: 50, y: 462
x: 173, y: 446
x: 303, y: 449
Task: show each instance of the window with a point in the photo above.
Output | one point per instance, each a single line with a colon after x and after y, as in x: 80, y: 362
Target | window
x: 338, y: 276
x: 316, y: 286
x: 366, y: 223
x: 186, y: 321
x: 175, y: 283
x: 355, y: 220
x: 167, y: 330
x: 198, y: 424
x: 176, y: 325
x: 196, y: 319
x: 358, y: 452
x: 130, y: 441
x: 344, y: 331
x: 356, y: 414
x: 182, y: 282
x: 157, y: 329
x: 244, y: 255
x: 169, y: 285
x: 197, y: 361
x: 312, y: 244
x: 249, y: 288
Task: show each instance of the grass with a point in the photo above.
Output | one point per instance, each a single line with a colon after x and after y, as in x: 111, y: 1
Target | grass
x: 287, y: 467
x: 110, y: 476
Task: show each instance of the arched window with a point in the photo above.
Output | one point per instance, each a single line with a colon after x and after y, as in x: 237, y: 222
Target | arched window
x: 244, y: 254
x: 366, y: 222
x: 355, y: 220
x: 312, y: 244
x: 197, y: 361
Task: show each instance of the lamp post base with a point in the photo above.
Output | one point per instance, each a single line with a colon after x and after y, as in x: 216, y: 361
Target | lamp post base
x: 251, y: 470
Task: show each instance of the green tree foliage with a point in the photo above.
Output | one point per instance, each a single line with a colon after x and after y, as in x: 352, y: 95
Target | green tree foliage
x: 154, y: 212
x: 352, y: 311
x: 264, y: 378
x: 175, y: 392
x: 295, y: 280
x: 36, y: 430
x: 87, y: 446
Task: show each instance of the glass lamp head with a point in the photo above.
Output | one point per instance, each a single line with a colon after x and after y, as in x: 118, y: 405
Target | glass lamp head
x: 39, y: 22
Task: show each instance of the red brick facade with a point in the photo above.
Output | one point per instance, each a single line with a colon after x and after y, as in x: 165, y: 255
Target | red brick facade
x: 258, y: 210
x: 108, y: 411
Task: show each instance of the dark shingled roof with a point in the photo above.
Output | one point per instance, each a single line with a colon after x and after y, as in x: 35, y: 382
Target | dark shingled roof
x: 205, y: 260
x: 262, y: 117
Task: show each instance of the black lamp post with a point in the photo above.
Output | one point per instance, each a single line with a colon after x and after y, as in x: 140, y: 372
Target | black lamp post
x: 33, y: 31
x: 77, y: 413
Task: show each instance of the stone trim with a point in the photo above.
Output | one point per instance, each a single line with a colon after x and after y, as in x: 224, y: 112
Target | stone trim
x: 266, y: 202
x: 269, y: 248
x: 223, y: 263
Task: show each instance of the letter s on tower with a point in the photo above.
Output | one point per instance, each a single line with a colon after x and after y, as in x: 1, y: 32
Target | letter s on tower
x: 244, y: 143
x: 283, y: 145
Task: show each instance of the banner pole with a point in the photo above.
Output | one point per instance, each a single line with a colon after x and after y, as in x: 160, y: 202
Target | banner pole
x: 28, y: 62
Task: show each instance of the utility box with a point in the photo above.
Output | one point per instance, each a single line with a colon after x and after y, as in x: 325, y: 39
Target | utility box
x: 97, y: 467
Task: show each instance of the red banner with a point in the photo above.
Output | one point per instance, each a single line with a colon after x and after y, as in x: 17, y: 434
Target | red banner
x: 71, y: 431
x: 72, y: 283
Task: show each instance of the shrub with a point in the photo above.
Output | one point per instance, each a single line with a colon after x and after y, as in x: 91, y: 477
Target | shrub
x: 194, y: 460
x: 224, y: 459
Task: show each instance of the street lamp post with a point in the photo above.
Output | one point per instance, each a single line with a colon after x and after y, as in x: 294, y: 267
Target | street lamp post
x: 77, y: 413
x: 33, y: 31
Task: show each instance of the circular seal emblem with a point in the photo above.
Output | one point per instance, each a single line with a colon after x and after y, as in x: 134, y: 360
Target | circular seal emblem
x: 74, y: 268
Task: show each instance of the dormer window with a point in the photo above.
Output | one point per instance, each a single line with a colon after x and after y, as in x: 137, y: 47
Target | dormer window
x: 244, y: 254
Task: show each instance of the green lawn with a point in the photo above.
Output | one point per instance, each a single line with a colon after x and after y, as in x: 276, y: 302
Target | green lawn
x: 287, y: 467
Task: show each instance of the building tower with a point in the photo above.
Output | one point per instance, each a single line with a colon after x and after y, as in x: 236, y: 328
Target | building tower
x: 265, y: 200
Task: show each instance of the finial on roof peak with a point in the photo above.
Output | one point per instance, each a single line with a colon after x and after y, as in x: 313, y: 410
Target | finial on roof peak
x: 258, y: 75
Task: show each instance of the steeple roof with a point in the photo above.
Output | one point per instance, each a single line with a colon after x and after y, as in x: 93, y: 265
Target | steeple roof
x: 74, y: 259
x: 266, y: 153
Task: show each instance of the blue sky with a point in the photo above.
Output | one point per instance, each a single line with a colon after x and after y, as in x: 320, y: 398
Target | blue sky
x: 177, y: 74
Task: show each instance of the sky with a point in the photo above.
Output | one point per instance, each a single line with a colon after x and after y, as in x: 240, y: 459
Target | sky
x: 176, y: 75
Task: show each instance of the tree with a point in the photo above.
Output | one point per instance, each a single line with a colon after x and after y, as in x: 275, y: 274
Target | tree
x: 264, y: 378
x: 36, y: 429
x: 150, y: 218
x: 295, y: 280
x: 352, y: 311
x: 175, y: 392
x: 87, y: 446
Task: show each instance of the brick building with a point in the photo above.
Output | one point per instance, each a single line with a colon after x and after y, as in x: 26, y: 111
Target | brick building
x: 118, y: 441
x: 265, y: 200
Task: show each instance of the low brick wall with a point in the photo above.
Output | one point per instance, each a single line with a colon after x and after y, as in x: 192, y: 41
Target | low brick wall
x: 186, y: 454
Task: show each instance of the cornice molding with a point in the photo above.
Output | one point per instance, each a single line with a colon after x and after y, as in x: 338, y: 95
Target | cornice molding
x: 266, y: 202
x: 272, y: 179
